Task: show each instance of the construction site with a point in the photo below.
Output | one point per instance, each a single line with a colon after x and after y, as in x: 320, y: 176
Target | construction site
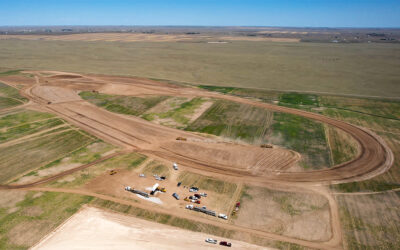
x: 192, y: 176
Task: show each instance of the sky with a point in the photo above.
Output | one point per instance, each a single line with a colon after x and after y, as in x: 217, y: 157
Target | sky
x: 284, y: 13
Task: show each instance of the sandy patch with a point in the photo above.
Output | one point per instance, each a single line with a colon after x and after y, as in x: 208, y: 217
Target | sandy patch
x: 115, y: 231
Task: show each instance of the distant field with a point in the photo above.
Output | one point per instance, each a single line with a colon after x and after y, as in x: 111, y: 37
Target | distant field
x: 9, y: 96
x: 356, y: 69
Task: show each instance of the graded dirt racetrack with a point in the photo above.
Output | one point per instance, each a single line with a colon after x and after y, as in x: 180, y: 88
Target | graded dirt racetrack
x: 56, y: 92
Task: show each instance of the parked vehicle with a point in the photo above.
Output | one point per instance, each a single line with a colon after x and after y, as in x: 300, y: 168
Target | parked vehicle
x: 179, y: 184
x: 223, y: 216
x: 224, y: 243
x: 142, y: 175
x: 194, y: 189
x: 175, y: 166
x: 189, y: 207
x: 203, y: 194
x: 198, y: 196
x: 176, y: 196
x: 212, y: 241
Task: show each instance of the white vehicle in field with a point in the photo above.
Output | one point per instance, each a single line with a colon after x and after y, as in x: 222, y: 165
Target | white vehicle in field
x: 223, y: 216
x: 189, y: 207
x: 212, y: 241
x: 142, y: 175
x: 175, y: 166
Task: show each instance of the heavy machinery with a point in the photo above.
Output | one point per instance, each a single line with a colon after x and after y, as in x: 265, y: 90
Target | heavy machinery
x: 161, y: 189
x: 154, y: 189
x: 181, y: 138
x: 113, y: 172
x: 266, y: 146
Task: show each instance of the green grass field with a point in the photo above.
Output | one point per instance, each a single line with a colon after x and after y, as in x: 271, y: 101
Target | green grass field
x: 46, y: 143
x: 9, y: 96
x: 356, y: 69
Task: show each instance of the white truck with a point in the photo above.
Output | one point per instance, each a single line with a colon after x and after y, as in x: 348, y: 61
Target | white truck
x: 223, y: 216
x: 175, y: 166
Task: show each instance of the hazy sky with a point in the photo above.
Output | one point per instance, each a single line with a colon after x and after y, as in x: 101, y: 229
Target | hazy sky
x: 310, y: 13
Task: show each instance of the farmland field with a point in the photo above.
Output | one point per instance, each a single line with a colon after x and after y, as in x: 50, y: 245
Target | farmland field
x: 335, y: 68
x: 32, y: 139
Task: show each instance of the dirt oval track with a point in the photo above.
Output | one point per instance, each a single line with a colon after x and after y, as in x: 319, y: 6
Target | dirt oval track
x: 374, y: 158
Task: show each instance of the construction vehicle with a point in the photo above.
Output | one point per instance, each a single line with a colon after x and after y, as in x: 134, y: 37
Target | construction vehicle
x: 175, y: 166
x: 163, y: 190
x: 194, y: 189
x: 197, y: 195
x: 181, y: 138
x: 190, y: 207
x: 137, y: 191
x: 203, y: 194
x: 266, y: 146
x: 186, y: 199
x: 113, y: 172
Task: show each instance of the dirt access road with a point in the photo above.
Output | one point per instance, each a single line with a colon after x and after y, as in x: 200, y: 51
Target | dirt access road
x: 60, y: 89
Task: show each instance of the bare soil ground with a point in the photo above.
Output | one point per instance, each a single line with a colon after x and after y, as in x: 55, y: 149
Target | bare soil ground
x: 124, y: 232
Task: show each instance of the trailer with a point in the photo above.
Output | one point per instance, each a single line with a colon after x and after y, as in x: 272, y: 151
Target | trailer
x: 135, y: 191
x: 204, y: 210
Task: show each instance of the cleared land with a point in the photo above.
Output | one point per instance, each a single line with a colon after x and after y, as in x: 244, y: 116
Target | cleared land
x: 124, y: 232
x: 353, y: 69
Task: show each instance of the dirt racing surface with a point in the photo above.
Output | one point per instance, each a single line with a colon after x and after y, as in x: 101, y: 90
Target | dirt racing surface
x: 57, y: 92
x: 115, y: 231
